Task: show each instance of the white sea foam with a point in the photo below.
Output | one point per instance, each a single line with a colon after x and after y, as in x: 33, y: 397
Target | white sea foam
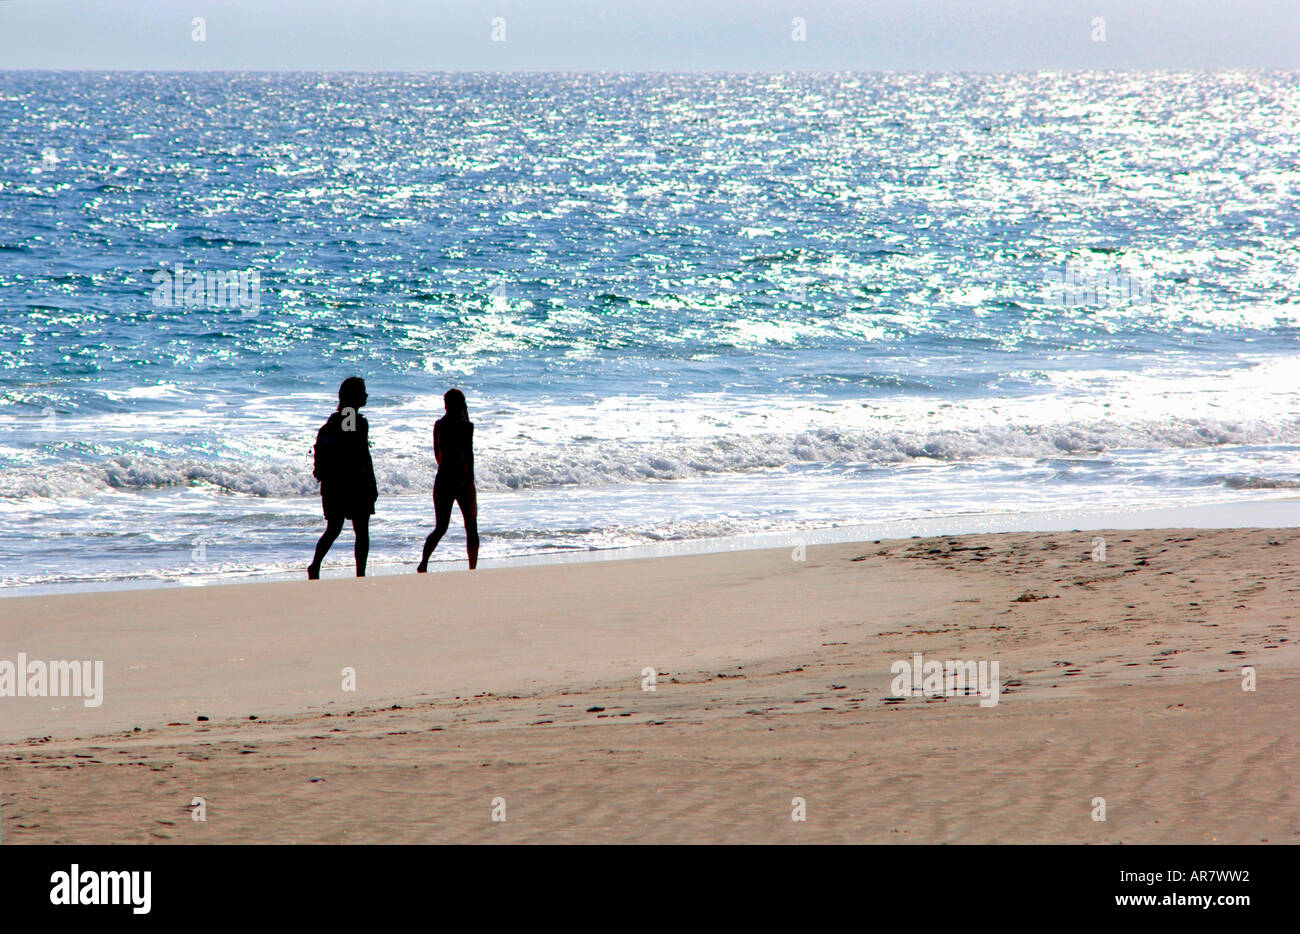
x: 598, y: 462
x: 261, y: 447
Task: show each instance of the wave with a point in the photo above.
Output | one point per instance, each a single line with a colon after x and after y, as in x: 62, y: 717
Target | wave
x: 621, y: 462
x: 1257, y: 483
x: 520, y: 465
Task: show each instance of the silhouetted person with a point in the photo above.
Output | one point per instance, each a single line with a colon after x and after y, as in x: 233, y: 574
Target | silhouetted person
x: 453, y: 449
x: 346, y: 475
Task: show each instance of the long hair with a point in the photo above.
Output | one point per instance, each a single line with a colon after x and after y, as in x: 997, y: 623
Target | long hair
x: 454, y: 400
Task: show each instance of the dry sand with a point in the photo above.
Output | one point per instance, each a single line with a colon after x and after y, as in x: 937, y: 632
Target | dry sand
x: 1122, y: 679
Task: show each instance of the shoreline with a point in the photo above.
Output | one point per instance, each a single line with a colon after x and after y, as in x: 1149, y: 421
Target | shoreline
x: 1281, y: 511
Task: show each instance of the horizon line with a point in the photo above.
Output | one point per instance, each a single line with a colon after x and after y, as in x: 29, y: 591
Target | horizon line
x: 664, y: 71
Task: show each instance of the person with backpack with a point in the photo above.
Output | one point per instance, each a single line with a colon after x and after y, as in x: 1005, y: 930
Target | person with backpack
x: 453, y: 449
x: 346, y: 475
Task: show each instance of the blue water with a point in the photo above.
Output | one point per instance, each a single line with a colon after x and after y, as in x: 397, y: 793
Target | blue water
x: 680, y: 305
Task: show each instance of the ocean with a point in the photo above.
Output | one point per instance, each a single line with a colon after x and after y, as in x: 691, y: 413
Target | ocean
x: 682, y: 306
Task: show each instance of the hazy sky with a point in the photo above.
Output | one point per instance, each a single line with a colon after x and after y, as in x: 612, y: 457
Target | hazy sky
x: 685, y: 35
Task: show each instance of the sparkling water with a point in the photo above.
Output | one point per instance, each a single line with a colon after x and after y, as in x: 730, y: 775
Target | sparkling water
x: 680, y: 306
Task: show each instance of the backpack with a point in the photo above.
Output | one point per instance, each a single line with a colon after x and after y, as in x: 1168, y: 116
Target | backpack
x: 323, y: 454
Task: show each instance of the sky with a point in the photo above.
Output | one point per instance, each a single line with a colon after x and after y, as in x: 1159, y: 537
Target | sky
x: 649, y: 35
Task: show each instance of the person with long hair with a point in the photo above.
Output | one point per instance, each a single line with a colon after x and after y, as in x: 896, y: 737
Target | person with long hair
x: 453, y: 449
x: 346, y: 475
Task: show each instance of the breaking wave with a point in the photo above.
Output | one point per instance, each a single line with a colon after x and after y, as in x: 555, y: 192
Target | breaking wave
x: 606, y: 462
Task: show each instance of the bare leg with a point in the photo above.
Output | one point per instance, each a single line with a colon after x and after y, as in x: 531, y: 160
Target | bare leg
x: 332, y: 529
x: 442, y: 514
x: 468, y: 500
x: 361, y: 529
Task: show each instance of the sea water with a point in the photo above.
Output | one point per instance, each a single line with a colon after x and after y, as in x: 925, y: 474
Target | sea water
x: 680, y: 306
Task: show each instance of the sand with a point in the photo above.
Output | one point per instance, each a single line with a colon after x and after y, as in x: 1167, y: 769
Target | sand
x: 1121, y: 679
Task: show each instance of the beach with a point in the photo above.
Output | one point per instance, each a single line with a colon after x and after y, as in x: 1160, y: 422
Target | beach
x: 524, y: 693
